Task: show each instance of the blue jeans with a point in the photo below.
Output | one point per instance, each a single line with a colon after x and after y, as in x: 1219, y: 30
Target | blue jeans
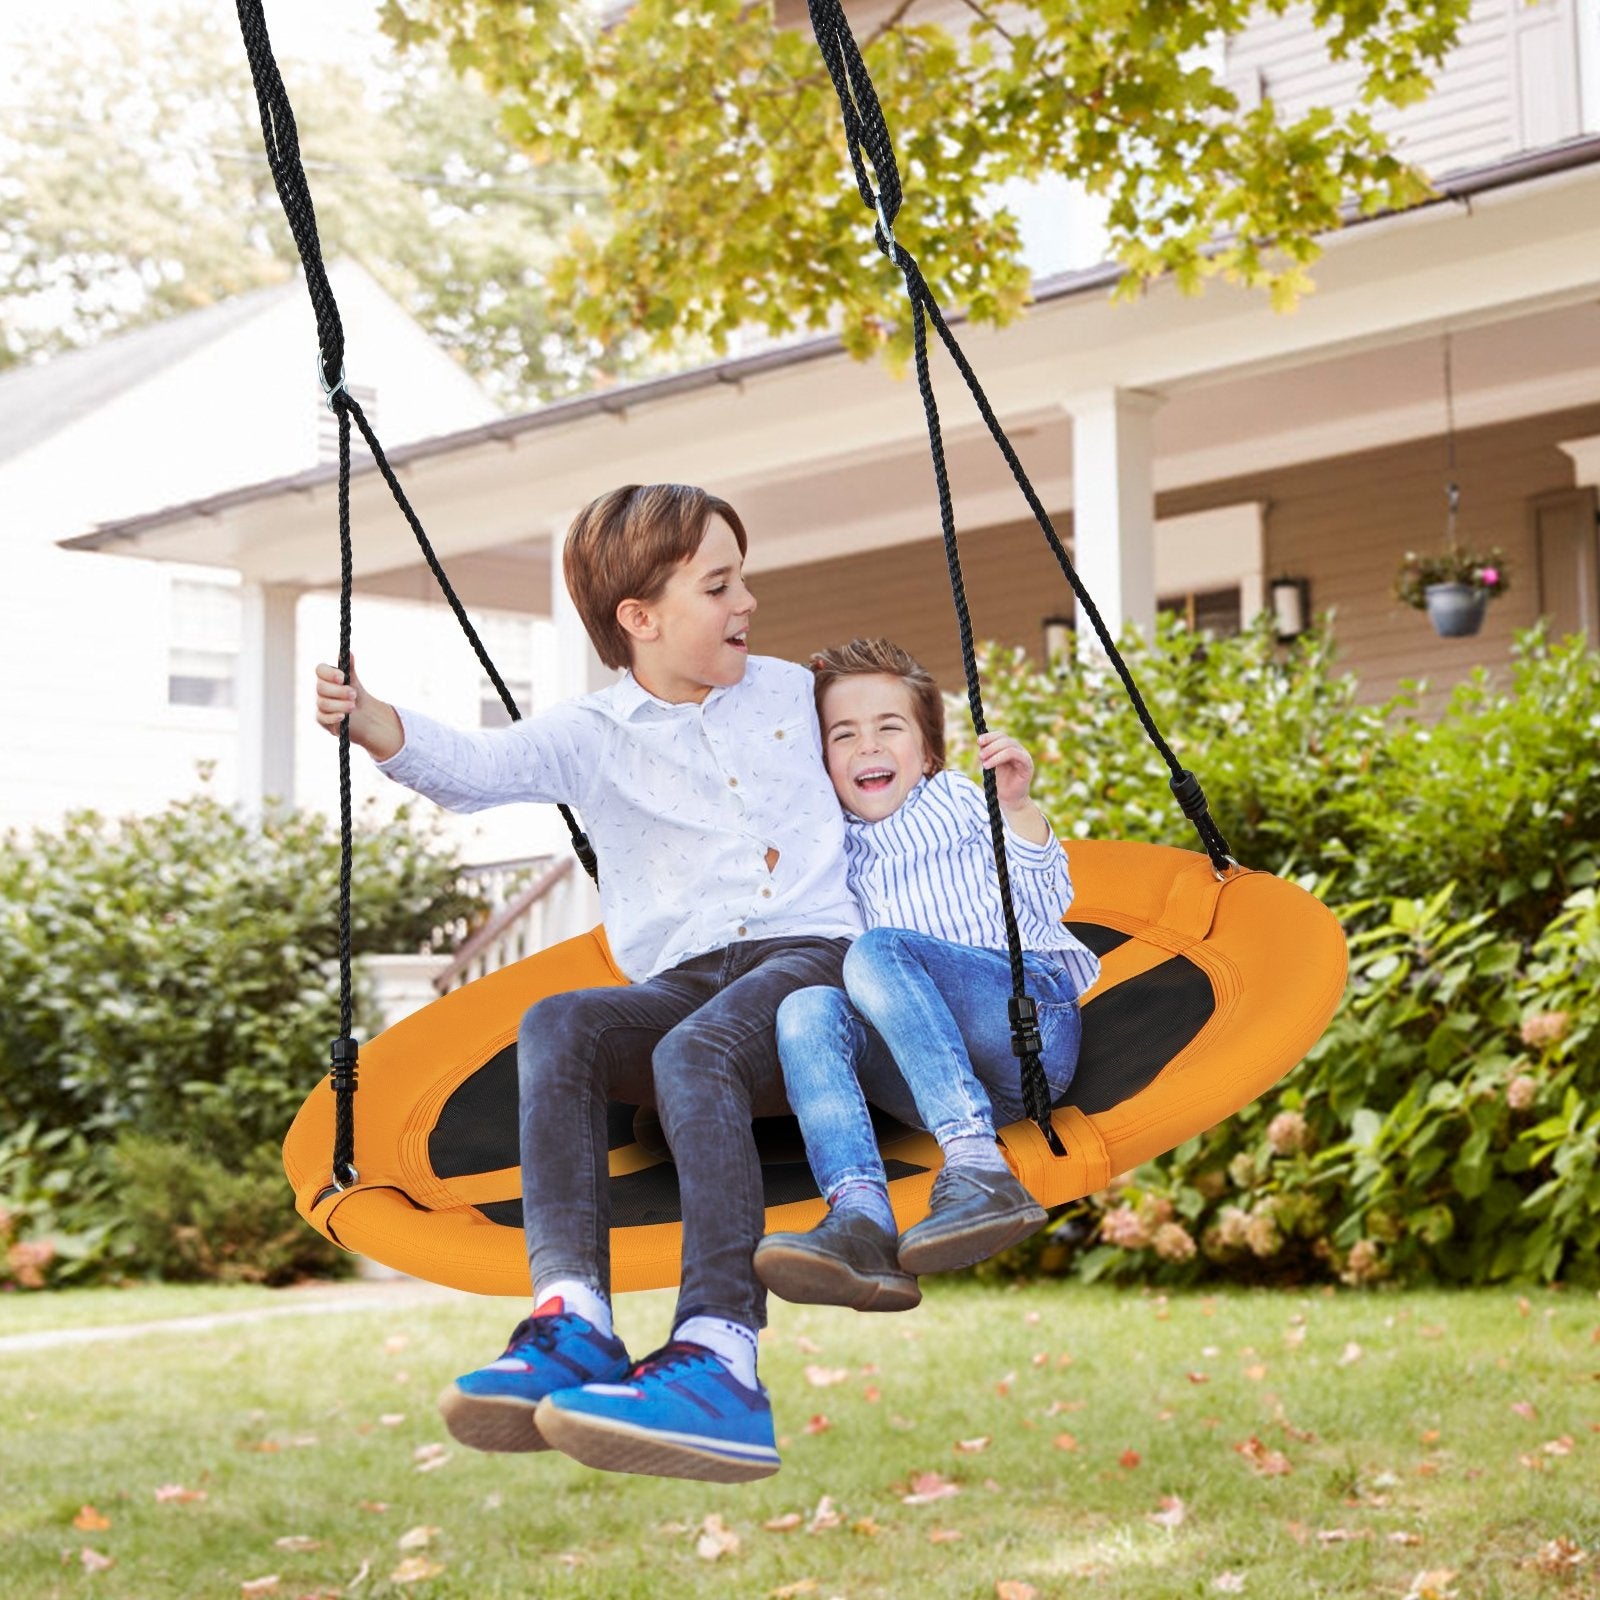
x: 697, y: 1043
x: 921, y: 1029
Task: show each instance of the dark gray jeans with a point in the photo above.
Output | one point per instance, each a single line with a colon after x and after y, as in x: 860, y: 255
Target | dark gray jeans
x: 697, y: 1042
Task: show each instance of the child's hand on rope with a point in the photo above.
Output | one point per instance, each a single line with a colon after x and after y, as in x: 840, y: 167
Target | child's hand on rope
x: 374, y: 724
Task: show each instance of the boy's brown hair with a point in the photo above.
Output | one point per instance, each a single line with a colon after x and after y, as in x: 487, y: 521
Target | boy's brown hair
x: 878, y: 656
x: 625, y: 545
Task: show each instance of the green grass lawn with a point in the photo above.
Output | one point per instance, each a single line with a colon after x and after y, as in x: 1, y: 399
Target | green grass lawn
x: 1063, y: 1440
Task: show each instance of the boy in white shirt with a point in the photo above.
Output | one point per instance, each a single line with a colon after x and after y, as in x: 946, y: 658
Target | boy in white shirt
x: 699, y: 778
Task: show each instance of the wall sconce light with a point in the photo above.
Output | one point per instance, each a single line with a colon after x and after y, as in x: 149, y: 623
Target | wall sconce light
x: 1290, y: 599
x: 1059, y: 633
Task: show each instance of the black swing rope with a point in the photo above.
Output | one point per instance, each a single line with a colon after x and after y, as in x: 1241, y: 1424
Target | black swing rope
x: 288, y: 174
x: 867, y: 137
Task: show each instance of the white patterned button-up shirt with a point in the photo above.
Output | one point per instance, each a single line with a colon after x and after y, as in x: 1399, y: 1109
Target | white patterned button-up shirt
x: 682, y: 803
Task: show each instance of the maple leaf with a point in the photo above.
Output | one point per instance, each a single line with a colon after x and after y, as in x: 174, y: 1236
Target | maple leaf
x: 927, y: 1487
x: 415, y: 1568
x: 1558, y: 1556
x: 818, y: 1424
x: 88, y: 1520
x: 716, y: 1539
x: 1129, y: 1459
x: 1171, y: 1514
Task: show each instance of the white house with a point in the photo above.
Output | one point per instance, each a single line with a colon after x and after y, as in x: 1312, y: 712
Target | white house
x: 1191, y: 450
x: 120, y: 679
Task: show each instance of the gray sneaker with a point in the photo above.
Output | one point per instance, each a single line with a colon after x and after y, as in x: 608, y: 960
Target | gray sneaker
x: 846, y: 1260
x: 974, y: 1213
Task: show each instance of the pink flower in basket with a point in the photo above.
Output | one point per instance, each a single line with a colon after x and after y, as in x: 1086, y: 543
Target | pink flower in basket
x: 1489, y: 577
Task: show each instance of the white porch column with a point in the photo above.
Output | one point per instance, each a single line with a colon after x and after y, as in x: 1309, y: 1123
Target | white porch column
x: 574, y: 907
x: 1113, y: 506
x: 266, y: 695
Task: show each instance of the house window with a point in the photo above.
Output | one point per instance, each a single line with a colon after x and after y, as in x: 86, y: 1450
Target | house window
x: 364, y: 396
x: 508, y: 641
x: 203, y: 643
x: 1214, y: 611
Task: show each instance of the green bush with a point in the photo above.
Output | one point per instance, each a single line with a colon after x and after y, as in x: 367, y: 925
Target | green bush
x: 186, y: 1216
x: 171, y: 981
x: 1446, y: 1125
x: 174, y: 975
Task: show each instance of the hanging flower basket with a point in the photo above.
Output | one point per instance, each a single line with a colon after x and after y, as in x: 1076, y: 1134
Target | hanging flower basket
x: 1454, y: 588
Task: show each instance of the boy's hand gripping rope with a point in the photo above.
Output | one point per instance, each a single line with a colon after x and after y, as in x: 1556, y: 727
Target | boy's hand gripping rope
x: 288, y: 175
x: 868, y: 141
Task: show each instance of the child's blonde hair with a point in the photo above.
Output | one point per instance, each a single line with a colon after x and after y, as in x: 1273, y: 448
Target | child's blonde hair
x: 879, y: 657
x: 625, y: 546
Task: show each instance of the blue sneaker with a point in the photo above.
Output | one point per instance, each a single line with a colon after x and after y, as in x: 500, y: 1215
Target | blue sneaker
x: 493, y: 1408
x: 678, y: 1414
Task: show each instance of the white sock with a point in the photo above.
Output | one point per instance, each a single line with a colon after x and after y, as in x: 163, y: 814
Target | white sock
x: 583, y: 1298
x: 732, y: 1341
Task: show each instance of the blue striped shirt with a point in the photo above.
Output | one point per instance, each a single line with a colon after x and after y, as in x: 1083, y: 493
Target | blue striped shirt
x: 929, y: 867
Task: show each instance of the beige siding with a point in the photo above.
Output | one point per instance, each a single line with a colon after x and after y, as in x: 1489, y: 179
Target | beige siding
x: 1342, y: 523
x: 1472, y: 117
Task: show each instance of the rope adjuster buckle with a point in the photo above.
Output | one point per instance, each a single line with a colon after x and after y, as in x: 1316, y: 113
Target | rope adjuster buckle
x: 1025, y: 1037
x: 329, y: 390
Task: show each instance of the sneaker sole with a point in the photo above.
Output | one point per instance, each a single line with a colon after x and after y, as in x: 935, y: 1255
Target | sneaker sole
x: 491, y: 1422
x: 805, y: 1277
x: 613, y: 1446
x: 955, y: 1248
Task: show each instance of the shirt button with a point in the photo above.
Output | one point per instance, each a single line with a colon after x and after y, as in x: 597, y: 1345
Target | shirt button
x: 778, y: 734
x: 766, y: 894
x: 741, y: 932
x: 733, y: 783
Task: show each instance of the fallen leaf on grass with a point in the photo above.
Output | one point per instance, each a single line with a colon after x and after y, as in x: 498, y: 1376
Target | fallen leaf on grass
x: 871, y: 1394
x: 392, y: 1419
x: 377, y: 1507
x: 1014, y: 1589
x: 1255, y: 1372
x: 787, y: 1523
x: 94, y: 1561
x: 867, y: 1527
x: 800, y: 1586
x: 1171, y: 1514
x: 415, y: 1568
x: 826, y: 1377
x: 395, y: 1343
x: 1198, y: 1377
x: 824, y: 1516
x: 1525, y: 1409
x: 716, y: 1539
x: 88, y: 1520
x: 1403, y: 1536
x: 1432, y: 1585
x: 1129, y: 1459
x: 1558, y: 1447
x: 818, y: 1424
x: 1558, y: 1556
x: 927, y: 1487
x: 297, y: 1542
x: 1228, y: 1582
x: 1065, y: 1441
x: 972, y: 1447
x: 1351, y: 1354
x: 1264, y: 1462
x: 944, y: 1535
x: 807, y: 1347
x: 176, y: 1494
x: 1341, y: 1535
x: 252, y: 1587
x: 429, y: 1456
x: 1031, y: 1318
x: 418, y: 1538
